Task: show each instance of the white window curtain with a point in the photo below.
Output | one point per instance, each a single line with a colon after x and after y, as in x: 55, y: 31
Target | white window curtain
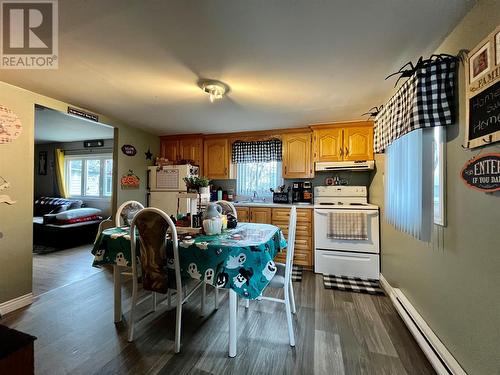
x: 258, y: 178
x: 409, y: 184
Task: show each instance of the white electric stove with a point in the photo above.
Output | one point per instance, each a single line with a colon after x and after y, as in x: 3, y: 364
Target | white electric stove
x: 342, y: 257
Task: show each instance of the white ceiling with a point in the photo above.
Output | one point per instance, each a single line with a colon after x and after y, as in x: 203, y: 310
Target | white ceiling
x: 288, y: 62
x: 54, y: 126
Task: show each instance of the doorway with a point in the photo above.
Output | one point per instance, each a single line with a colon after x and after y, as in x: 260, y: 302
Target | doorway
x: 74, y: 184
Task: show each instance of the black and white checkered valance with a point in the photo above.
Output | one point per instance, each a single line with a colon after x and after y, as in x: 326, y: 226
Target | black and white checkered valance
x: 426, y: 100
x: 257, y: 151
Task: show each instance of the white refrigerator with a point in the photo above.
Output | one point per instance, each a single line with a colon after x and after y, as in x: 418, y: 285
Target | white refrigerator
x: 164, y: 185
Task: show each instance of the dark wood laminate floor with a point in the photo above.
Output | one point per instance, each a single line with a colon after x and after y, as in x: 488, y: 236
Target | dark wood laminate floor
x: 336, y: 333
x: 59, y: 268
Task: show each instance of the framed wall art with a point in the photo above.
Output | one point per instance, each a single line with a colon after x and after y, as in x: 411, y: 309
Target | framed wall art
x: 483, y: 92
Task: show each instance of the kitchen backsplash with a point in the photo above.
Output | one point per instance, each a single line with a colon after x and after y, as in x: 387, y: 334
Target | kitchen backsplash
x: 352, y: 178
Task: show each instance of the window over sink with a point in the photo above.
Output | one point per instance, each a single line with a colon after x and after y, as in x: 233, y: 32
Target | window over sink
x: 258, y: 178
x: 257, y: 167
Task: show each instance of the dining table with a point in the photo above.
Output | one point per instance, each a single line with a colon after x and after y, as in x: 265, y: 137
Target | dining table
x: 239, y: 259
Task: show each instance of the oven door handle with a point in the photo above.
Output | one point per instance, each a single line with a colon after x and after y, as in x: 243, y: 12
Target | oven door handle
x: 317, y: 211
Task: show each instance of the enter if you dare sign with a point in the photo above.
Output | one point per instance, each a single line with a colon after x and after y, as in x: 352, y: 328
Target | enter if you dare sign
x: 483, y: 172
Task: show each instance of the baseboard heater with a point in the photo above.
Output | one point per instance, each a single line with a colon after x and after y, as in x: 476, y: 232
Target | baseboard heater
x: 440, y: 358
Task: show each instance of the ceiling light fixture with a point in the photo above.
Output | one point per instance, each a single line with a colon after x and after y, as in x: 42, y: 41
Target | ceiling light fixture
x: 215, y: 89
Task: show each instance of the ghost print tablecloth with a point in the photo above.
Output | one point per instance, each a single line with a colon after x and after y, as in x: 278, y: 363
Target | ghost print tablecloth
x: 240, y: 259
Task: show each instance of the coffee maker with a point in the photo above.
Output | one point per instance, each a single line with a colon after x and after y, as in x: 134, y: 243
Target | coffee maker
x: 302, y: 192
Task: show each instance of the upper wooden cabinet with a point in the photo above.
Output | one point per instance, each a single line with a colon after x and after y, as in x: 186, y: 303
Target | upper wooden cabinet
x: 297, y: 161
x: 183, y: 148
x: 358, y: 143
x: 343, y: 141
x: 216, y: 158
x: 191, y: 149
x: 169, y: 148
x: 328, y: 144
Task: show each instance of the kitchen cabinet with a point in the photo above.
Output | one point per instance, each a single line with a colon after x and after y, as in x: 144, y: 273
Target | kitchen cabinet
x: 358, y: 143
x: 243, y: 214
x: 328, y: 144
x: 169, y: 148
x: 297, y: 161
x: 262, y: 215
x: 216, y: 158
x: 303, y: 253
x: 183, y: 148
x: 343, y: 141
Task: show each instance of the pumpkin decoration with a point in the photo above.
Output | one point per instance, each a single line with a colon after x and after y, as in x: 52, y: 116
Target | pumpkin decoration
x: 130, y: 180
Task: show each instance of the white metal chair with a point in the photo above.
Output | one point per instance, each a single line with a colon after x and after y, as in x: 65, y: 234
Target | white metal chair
x: 126, y: 212
x: 228, y: 208
x: 283, y: 277
x: 153, y: 225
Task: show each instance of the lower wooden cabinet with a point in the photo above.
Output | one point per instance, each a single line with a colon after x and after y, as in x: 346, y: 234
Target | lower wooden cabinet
x: 243, y: 214
x: 303, y: 254
x: 261, y: 215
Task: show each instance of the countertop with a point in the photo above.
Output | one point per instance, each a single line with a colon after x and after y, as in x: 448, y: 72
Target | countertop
x: 272, y: 205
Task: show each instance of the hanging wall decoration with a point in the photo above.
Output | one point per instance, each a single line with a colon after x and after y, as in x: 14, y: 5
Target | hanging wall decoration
x: 130, y: 180
x: 482, y: 172
x: 483, y: 92
x: 10, y: 125
x: 42, y: 163
x: 149, y: 155
x: 4, y: 198
x: 129, y: 150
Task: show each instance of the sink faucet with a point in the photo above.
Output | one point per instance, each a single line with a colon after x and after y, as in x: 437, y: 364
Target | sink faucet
x: 254, y: 195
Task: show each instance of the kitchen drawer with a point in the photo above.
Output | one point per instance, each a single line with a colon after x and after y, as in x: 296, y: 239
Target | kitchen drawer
x: 303, y: 243
x: 346, y: 263
x: 299, y: 258
x: 283, y: 214
x: 302, y: 229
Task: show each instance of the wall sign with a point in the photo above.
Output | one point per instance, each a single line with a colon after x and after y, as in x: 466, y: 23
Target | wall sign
x: 130, y: 180
x: 129, y: 150
x: 93, y: 143
x: 482, y: 172
x: 80, y: 113
x: 10, y: 125
x: 483, y: 92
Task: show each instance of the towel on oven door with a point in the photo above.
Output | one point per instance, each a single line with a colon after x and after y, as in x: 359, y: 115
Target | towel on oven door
x: 347, y: 226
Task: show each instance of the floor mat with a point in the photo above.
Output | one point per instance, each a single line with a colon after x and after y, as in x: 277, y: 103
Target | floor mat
x: 352, y: 284
x: 297, y: 274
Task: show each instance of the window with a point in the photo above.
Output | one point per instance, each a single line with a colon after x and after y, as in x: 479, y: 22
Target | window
x: 258, y: 177
x: 409, y: 183
x: 439, y: 163
x: 89, y: 175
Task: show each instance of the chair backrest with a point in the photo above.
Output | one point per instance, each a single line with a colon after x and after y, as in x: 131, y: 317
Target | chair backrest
x: 228, y: 208
x: 105, y: 224
x: 292, y: 224
x: 152, y: 225
x: 126, y: 212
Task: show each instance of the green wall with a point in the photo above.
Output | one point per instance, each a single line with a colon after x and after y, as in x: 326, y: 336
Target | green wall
x: 17, y: 167
x: 453, y: 281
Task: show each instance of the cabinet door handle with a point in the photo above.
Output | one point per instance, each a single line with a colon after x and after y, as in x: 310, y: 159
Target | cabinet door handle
x: 225, y: 171
x: 285, y: 169
x: 346, y: 151
x: 341, y: 152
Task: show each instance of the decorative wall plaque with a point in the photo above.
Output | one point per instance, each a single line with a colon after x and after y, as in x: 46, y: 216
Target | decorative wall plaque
x: 10, y: 125
x: 482, y: 173
x: 129, y: 150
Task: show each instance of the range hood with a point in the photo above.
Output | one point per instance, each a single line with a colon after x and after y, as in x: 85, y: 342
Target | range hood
x: 358, y: 165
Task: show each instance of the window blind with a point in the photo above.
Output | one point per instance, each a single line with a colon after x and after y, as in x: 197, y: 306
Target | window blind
x: 409, y: 184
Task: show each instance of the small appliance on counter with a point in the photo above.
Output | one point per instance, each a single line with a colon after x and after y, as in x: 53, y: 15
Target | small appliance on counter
x: 280, y: 194
x: 302, y: 192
